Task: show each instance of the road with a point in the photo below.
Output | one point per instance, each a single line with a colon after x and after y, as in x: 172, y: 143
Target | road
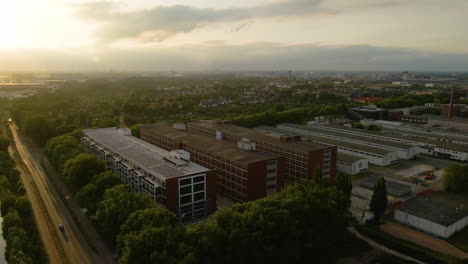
x: 50, y: 210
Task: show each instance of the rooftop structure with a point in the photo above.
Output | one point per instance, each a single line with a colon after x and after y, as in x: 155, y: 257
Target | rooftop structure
x: 393, y: 188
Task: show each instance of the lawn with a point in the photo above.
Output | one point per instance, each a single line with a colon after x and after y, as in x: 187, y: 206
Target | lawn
x: 460, y: 240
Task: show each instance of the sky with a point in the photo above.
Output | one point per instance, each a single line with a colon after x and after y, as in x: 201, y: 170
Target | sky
x: 147, y: 35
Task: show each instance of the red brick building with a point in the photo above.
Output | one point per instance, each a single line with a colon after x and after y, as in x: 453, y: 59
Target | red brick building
x: 244, y: 174
x: 301, y: 158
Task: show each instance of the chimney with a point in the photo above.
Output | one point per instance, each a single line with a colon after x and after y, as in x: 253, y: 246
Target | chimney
x: 450, y: 114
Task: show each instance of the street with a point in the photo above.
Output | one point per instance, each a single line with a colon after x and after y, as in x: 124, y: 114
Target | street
x: 49, y: 211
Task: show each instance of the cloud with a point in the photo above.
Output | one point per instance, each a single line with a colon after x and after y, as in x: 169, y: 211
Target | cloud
x: 162, y: 22
x: 253, y: 56
x: 241, y: 26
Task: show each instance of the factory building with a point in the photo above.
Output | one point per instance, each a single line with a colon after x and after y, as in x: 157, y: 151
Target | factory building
x: 405, y: 151
x: 301, y: 157
x: 244, y: 173
x: 439, y: 214
x: 171, y: 178
x: 351, y: 165
x: 376, y: 156
x: 443, y: 148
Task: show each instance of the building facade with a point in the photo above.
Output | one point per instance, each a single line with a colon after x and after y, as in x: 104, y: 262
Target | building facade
x: 244, y: 174
x: 170, y: 178
x: 301, y: 158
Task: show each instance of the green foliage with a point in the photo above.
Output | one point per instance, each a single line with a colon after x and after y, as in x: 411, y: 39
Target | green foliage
x: 373, y: 127
x: 406, y: 101
x: 38, y: 127
x: 344, y: 185
x: 91, y: 194
x: 62, y: 148
x: 378, y: 203
x: 287, y: 227
x: 79, y: 170
x: 119, y: 202
x: 358, y: 125
x: 456, y: 178
x: 4, y: 143
x: 139, y: 221
x: 136, y: 130
x: 318, y: 176
x: 405, y: 247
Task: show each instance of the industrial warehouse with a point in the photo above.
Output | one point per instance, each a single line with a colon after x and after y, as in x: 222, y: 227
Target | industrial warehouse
x: 376, y: 156
x: 439, y: 214
x: 404, y: 151
x: 184, y: 187
x: 444, y: 147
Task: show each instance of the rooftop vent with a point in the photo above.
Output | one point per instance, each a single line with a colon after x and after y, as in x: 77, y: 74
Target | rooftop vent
x: 125, y: 131
x: 180, y: 154
x: 179, y: 126
x: 246, y: 144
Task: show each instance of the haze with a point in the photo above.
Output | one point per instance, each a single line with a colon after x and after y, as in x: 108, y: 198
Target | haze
x: 145, y: 35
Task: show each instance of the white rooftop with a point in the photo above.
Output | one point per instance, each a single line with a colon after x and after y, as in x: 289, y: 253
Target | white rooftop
x: 154, y: 160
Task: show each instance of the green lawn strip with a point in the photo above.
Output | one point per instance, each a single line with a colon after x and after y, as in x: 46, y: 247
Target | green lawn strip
x: 405, y: 247
x: 460, y: 240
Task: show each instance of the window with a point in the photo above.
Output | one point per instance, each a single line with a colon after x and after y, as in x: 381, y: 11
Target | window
x: 186, y: 199
x: 198, y: 187
x: 198, y: 179
x: 199, y: 196
x: 185, y: 181
x: 185, y: 190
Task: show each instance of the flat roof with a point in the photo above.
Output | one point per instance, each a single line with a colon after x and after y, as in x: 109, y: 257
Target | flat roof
x: 259, y: 136
x: 429, y: 134
x: 223, y: 149
x: 412, y: 136
x: 364, y: 139
x: 438, y: 207
x: 393, y: 188
x: 148, y: 157
x: 348, y: 158
x: 337, y: 142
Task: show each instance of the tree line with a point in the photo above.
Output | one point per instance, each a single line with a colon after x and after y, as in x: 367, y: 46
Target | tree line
x: 23, y: 245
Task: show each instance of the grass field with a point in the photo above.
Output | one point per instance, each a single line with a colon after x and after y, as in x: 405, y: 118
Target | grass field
x: 460, y: 240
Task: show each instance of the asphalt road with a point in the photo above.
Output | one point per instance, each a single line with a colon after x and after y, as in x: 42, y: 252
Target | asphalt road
x: 50, y: 211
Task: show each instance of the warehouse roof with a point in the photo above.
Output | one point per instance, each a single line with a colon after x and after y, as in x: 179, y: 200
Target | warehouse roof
x: 211, y: 145
x: 348, y: 158
x: 361, y: 138
x: 438, y: 207
x: 336, y: 142
x: 393, y: 188
x: 150, y: 158
x: 259, y: 136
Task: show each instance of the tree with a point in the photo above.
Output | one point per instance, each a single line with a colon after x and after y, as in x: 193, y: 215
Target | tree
x: 141, y: 220
x: 118, y: 203
x: 11, y: 219
x: 343, y: 184
x: 8, y: 201
x: 318, y: 176
x: 378, y: 203
x: 4, y: 143
x: 455, y: 178
x: 80, y: 170
x: 91, y: 194
x: 373, y: 127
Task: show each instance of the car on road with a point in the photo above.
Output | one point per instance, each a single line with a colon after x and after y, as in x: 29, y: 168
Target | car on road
x: 61, y: 228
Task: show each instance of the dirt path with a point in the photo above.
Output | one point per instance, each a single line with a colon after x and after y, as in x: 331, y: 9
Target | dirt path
x: 62, y: 247
x: 423, y: 239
